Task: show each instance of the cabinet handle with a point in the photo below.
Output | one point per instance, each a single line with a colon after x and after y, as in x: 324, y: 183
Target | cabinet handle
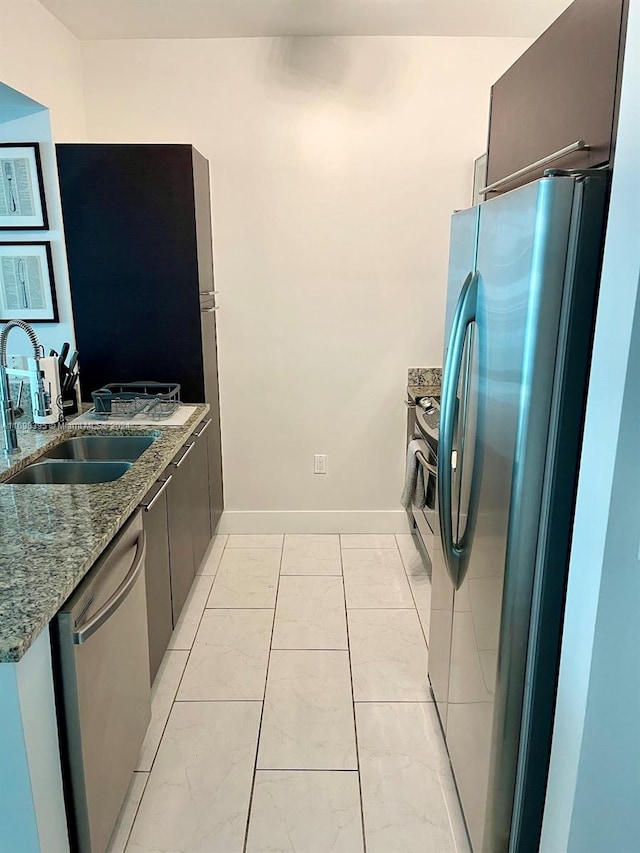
x: 209, y: 310
x: 165, y: 484
x: 202, y: 429
x: 209, y: 292
x: 578, y: 145
x: 187, y: 450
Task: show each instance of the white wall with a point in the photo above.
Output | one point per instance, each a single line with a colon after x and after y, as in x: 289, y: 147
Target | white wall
x: 594, y: 779
x: 42, y: 59
x: 32, y: 812
x: 31, y: 123
x: 335, y: 166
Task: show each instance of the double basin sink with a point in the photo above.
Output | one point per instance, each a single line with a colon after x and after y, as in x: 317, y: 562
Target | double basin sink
x: 85, y: 459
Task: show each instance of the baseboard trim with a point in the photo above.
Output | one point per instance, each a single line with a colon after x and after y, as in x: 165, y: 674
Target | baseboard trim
x: 315, y: 521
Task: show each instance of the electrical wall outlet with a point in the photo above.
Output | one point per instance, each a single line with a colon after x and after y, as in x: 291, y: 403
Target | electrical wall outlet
x: 320, y: 463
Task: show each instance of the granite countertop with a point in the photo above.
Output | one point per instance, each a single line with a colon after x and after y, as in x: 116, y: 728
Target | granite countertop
x: 50, y: 535
x: 415, y: 391
x: 423, y: 382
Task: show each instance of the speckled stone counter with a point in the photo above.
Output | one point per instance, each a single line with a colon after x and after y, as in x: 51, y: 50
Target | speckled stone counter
x: 416, y: 391
x: 50, y: 535
x: 423, y: 382
x: 431, y: 376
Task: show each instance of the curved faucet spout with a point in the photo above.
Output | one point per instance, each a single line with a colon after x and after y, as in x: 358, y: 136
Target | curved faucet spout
x: 4, y: 336
x: 7, y: 412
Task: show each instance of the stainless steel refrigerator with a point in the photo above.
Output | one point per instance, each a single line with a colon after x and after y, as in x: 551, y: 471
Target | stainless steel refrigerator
x: 523, y: 277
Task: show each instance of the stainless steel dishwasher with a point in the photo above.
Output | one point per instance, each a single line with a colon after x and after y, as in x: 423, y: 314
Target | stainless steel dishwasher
x: 101, y: 654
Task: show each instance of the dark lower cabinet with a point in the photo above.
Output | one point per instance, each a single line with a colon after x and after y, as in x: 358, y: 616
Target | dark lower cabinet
x: 200, y: 516
x: 180, y: 509
x: 177, y: 521
x: 157, y: 572
x: 214, y: 454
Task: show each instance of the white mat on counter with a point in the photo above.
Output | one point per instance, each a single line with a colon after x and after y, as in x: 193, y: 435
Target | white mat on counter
x: 178, y: 418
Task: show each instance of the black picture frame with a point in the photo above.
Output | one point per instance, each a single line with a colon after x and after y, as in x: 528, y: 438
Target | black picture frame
x: 41, y: 249
x: 8, y: 222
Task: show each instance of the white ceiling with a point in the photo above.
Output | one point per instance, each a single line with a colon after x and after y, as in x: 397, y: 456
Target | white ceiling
x: 107, y: 19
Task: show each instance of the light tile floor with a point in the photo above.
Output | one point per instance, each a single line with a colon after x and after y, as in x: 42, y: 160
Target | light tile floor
x: 256, y: 743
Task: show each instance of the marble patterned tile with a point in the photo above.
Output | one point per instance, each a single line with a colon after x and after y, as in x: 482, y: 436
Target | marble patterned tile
x: 197, y: 797
x: 310, y: 614
x: 311, y: 554
x: 403, y: 770
x: 122, y: 829
x: 367, y: 540
x: 421, y: 589
x: 163, y: 693
x: 185, y: 631
x: 229, y: 657
x: 298, y: 811
x: 411, y: 557
x: 418, y: 578
x: 375, y: 577
x: 247, y: 577
x: 308, y: 713
x: 255, y: 540
x: 388, y: 656
x: 455, y: 815
x: 211, y: 561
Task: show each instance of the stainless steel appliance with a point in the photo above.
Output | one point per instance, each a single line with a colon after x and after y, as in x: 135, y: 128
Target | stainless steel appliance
x: 424, y: 416
x: 101, y: 655
x: 523, y: 275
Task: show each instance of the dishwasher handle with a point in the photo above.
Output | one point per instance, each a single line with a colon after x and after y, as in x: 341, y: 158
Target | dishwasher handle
x: 89, y: 628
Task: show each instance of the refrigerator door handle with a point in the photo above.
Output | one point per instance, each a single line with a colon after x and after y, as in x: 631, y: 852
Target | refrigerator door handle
x: 455, y: 553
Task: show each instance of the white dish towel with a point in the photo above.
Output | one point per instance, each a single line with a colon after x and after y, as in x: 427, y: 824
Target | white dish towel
x: 414, y: 485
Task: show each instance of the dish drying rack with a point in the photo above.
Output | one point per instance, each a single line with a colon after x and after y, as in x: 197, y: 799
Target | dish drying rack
x: 155, y: 400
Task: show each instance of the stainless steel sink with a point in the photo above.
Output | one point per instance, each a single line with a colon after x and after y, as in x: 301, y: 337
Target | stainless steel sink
x: 108, y: 448
x: 70, y: 472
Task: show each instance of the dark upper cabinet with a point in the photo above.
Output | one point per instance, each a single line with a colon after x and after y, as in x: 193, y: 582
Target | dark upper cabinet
x: 564, y: 88
x: 138, y: 232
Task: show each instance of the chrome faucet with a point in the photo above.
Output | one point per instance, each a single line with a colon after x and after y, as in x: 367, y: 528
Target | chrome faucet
x: 7, y: 411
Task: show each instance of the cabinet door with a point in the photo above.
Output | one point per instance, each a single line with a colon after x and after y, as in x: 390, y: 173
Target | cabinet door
x: 181, y: 530
x: 208, y: 311
x: 157, y: 573
x: 199, y: 473
x: 562, y: 89
x: 216, y: 498
x: 213, y: 436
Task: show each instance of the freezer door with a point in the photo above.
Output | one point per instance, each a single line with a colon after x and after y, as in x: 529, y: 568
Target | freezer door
x: 513, y: 306
x: 462, y: 261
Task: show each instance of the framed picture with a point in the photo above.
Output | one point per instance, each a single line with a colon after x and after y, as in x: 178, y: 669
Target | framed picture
x: 22, y: 204
x: 27, y: 289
